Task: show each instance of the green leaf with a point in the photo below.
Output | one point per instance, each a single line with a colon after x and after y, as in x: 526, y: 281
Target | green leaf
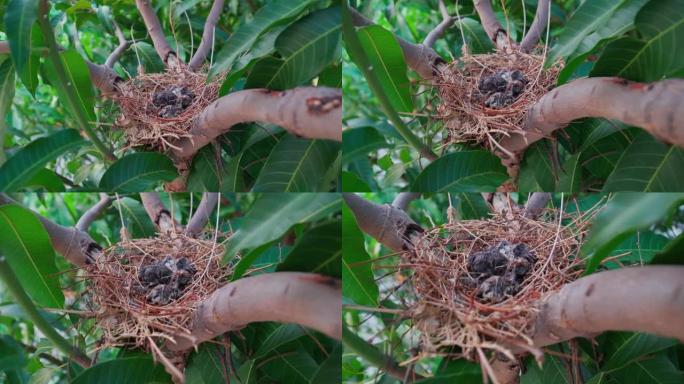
x: 588, y: 18
x: 247, y: 260
x: 273, y: 214
x: 6, y: 97
x: 358, y: 282
x: 359, y: 142
x: 657, y: 370
x: 552, y: 371
x: 623, y: 348
x: 137, y: 221
x: 247, y: 373
x: 648, y: 165
x: 12, y: 355
x: 330, y: 370
x: 296, y: 367
x: 318, y: 250
x: 450, y: 371
x: 270, y: 15
x: 537, y: 166
x: 305, y: 47
x: 672, y: 253
x: 640, y: 248
x: 464, y: 171
x: 29, y: 160
x: 624, y: 214
x: 296, y: 165
x: 27, y: 247
x: 45, y: 180
x: 331, y: 76
x: 138, y: 172
x: 78, y: 83
x: 129, y: 370
x: 475, y: 35
x: 20, y: 17
x: 387, y: 62
x: 280, y: 335
x: 351, y: 182
x: 472, y: 206
x: 571, y: 175
x: 656, y: 54
x: 205, y: 366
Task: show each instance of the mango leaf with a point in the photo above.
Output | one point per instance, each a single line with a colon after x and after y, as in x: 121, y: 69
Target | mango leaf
x: 280, y: 335
x: 77, y: 83
x: 475, y: 35
x: 537, y: 166
x: 296, y: 367
x: 273, y: 214
x: 20, y: 17
x: 552, y: 371
x: 205, y: 366
x: 137, y: 221
x: 623, y: 348
x: 624, y: 214
x: 641, y: 247
x: 296, y: 165
x: 648, y: 165
x: 588, y: 18
x: 270, y: 15
x: 45, y: 180
x: 351, y: 182
x: 330, y: 370
x: 247, y: 260
x: 571, y: 175
x: 29, y: 160
x: 6, y: 97
x: 472, y: 206
x: 138, y: 172
x: 128, y: 370
x: 305, y: 47
x: 27, y: 247
x: 358, y: 283
x: 450, y: 371
x: 656, y: 54
x: 247, y: 373
x: 672, y: 253
x: 658, y: 369
x: 387, y: 61
x: 464, y: 171
x: 359, y: 142
x: 12, y: 355
x: 319, y: 250
x: 331, y: 76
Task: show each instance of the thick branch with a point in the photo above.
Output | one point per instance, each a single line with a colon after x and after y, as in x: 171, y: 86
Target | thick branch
x: 419, y: 57
x: 207, y: 36
x: 441, y: 28
x: 75, y: 245
x: 162, y: 47
x: 491, y: 25
x: 120, y: 49
x: 307, y: 299
x: 201, y: 216
x: 535, y: 204
x: 160, y: 216
x: 656, y: 107
x: 94, y: 212
x: 538, y: 25
x: 311, y: 112
x: 391, y: 226
x: 403, y: 199
x: 639, y: 299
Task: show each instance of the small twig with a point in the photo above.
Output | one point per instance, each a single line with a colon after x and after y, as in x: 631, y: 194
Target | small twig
x: 93, y: 212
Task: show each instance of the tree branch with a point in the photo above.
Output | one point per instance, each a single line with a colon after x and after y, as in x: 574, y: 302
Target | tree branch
x: 75, y: 245
x: 123, y: 46
x: 639, y: 299
x: 307, y: 299
x: 535, y: 204
x: 538, y: 25
x: 403, y: 199
x: 419, y: 57
x: 656, y: 107
x: 491, y: 25
x: 154, y: 28
x: 93, y: 213
x: 441, y: 28
x: 391, y: 226
x: 311, y: 112
x: 201, y: 216
x: 160, y: 216
x: 207, y: 36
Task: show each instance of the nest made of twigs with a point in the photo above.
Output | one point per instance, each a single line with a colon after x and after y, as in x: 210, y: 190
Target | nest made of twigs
x: 448, y: 311
x: 462, y: 105
x: 121, y: 300
x: 151, y: 122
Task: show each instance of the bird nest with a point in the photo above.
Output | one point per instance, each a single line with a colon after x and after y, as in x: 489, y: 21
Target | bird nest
x: 483, y: 98
x: 477, y: 282
x: 158, y: 109
x: 145, y: 291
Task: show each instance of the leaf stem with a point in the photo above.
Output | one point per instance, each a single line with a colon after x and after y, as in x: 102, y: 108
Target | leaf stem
x: 72, y: 100
x: 357, y: 53
x: 22, y: 299
x: 371, y: 354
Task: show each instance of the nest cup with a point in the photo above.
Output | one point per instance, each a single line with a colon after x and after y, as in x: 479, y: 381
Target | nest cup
x: 464, y: 107
x: 122, y: 301
x: 449, y: 310
x: 153, y: 122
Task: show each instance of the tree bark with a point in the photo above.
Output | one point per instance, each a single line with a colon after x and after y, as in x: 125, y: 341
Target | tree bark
x: 156, y: 32
x: 491, y: 25
x: 120, y: 49
x: 538, y: 25
x: 94, y: 212
x: 535, y: 204
x: 207, y: 36
x: 160, y: 216
x: 201, y: 216
x: 656, y: 107
x: 307, y: 299
x: 311, y: 112
x: 403, y: 199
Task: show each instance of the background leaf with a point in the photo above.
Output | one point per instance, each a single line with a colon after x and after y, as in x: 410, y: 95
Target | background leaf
x: 464, y: 171
x: 319, y: 250
x: 358, y: 283
x: 20, y: 17
x: 137, y: 172
x: 130, y: 370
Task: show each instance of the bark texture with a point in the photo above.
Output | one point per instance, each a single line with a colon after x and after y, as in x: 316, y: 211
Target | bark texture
x: 538, y: 25
x: 207, y: 36
x: 311, y: 112
x: 536, y: 203
x: 120, y: 49
x: 307, y: 299
x: 156, y: 32
x: 403, y: 199
x: 160, y: 216
x: 94, y: 212
x: 202, y: 214
x: 491, y: 25
x: 656, y: 107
